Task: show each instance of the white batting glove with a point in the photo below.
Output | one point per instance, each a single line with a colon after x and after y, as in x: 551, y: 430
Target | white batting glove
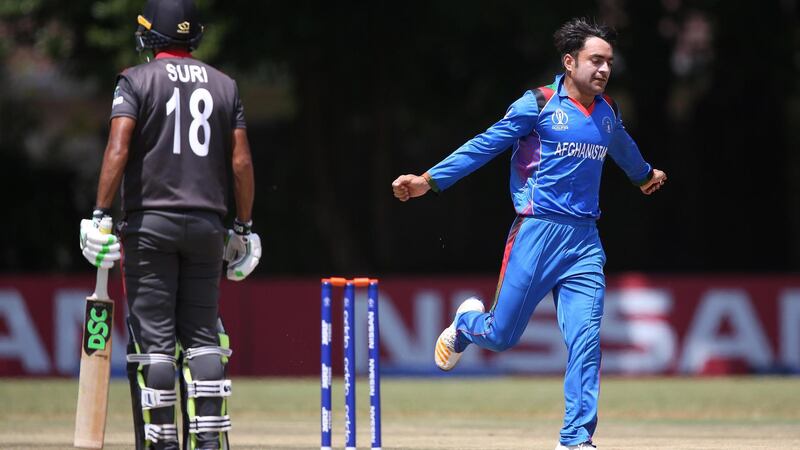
x: 242, y: 251
x: 100, y: 249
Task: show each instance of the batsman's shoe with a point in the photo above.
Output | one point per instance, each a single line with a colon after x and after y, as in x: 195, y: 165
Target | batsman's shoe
x: 445, y: 354
x: 583, y: 446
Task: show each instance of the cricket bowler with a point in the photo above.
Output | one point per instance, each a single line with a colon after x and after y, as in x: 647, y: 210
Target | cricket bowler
x: 560, y: 134
x: 176, y: 125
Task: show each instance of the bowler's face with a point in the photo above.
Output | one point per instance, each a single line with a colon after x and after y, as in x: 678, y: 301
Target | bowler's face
x: 592, y: 67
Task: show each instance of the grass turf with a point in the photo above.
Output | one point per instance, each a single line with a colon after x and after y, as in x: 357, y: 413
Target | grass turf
x: 450, y: 413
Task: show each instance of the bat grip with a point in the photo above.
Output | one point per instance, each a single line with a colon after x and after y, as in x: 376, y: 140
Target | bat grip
x: 101, y: 287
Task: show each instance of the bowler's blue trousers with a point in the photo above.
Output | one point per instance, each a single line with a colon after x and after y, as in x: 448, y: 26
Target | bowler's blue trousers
x: 562, y: 255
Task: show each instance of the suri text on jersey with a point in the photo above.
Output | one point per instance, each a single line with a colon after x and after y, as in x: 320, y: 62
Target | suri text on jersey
x: 186, y: 73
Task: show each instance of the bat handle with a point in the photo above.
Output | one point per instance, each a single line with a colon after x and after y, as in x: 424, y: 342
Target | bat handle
x: 101, y: 287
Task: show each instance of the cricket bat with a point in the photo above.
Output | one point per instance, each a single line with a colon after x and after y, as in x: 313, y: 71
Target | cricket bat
x: 90, y: 417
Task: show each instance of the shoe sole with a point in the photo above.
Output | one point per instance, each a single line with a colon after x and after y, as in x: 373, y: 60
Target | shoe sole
x: 445, y: 358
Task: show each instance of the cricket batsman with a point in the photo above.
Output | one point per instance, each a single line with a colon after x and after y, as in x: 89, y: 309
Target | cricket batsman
x: 176, y: 124
x: 561, y: 134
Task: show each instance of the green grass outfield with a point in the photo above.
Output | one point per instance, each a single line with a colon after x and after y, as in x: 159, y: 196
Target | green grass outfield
x: 451, y: 413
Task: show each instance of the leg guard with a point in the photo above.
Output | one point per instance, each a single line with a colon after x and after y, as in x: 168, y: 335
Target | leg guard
x: 153, y: 396
x: 204, y: 392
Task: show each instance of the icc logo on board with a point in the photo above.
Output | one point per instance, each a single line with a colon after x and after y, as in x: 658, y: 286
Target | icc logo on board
x: 559, y: 119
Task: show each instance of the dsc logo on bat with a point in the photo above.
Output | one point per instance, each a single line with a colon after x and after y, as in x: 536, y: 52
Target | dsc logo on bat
x: 98, y: 327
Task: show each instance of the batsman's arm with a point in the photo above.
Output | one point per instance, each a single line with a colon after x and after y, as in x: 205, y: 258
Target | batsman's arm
x: 243, y: 179
x: 114, y: 160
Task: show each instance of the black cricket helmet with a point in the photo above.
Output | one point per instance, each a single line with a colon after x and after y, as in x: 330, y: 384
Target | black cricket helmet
x: 166, y: 23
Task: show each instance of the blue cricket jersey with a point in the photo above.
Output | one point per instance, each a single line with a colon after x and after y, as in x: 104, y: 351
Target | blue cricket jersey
x: 558, y: 154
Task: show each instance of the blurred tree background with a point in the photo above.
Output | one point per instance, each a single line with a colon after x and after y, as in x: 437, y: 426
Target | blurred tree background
x: 343, y: 97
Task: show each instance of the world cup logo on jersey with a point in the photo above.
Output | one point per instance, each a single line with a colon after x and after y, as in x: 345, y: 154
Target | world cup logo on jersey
x: 559, y: 119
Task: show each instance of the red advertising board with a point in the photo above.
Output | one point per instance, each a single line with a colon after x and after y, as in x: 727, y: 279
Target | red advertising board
x: 651, y: 325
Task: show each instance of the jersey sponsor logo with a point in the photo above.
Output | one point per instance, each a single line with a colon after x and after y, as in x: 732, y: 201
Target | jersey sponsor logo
x: 186, y: 73
x: 184, y: 27
x: 581, y: 150
x: 118, y: 98
x: 607, y: 124
x: 560, y: 120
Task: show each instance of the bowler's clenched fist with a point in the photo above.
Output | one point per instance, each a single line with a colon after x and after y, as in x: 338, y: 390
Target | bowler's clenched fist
x: 410, y: 186
x: 655, y: 183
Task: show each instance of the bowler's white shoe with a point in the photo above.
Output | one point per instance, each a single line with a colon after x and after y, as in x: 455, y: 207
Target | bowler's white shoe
x: 584, y: 446
x: 444, y: 353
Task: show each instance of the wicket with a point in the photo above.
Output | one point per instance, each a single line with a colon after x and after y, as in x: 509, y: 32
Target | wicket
x: 348, y: 339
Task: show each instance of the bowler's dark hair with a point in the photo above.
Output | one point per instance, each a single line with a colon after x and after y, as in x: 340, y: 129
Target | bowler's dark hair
x: 573, y: 34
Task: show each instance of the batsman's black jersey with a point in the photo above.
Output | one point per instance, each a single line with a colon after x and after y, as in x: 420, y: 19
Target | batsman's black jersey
x: 185, y: 114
